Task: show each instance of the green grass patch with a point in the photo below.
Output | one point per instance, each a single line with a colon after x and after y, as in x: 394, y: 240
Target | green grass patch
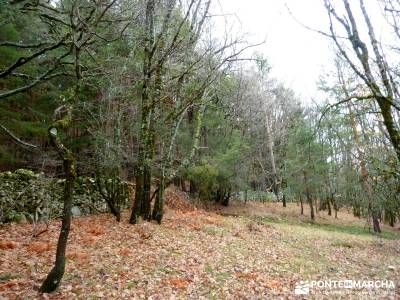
x: 208, y: 269
x: 222, y: 276
x: 167, y: 270
x: 8, y: 276
x: 343, y: 244
x: 132, y: 284
x: 211, y: 230
x: 358, y: 230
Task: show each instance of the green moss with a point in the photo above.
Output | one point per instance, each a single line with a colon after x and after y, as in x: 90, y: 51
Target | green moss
x: 25, y: 194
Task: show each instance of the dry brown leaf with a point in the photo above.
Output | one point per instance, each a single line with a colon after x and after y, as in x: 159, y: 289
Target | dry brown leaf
x: 8, y: 245
x: 178, y: 283
x: 87, y: 240
x: 7, y: 285
x: 124, y: 251
x: 248, y: 276
x: 97, y: 230
x: 77, y: 255
x: 39, y: 247
x: 273, y: 284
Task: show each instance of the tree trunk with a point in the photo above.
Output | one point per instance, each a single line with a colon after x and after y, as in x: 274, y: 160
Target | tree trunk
x: 192, y: 188
x: 366, y: 187
x: 158, y: 209
x: 375, y: 222
x: 392, y: 220
x: 312, y: 214
x: 308, y: 196
x: 109, y: 192
x: 226, y: 195
x: 146, y: 205
x: 335, y: 207
x: 53, y: 279
x: 394, y: 134
x: 357, y: 209
x: 383, y: 89
x: 141, y: 206
x: 329, y: 207
x: 301, y: 206
x: 116, y: 212
x: 183, y: 185
x: 137, y: 204
x: 275, y: 183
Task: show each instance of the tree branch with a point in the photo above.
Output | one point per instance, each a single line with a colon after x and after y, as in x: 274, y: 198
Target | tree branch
x: 16, y: 139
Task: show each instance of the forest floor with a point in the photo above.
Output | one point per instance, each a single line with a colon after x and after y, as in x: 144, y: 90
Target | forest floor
x: 252, y: 251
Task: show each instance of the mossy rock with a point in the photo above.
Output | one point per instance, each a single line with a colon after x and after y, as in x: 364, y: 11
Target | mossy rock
x: 26, y: 195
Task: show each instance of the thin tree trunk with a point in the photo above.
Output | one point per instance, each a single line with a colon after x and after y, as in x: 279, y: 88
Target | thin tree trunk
x: 53, y: 279
x: 382, y: 89
x: 158, y: 208
x: 329, y: 207
x: 375, y: 222
x: 309, y: 199
x: 146, y: 205
x: 301, y: 206
x: 363, y: 170
x: 272, y: 159
x: 336, y: 208
x: 165, y: 180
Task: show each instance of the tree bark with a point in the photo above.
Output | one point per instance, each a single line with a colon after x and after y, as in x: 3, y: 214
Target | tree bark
x: 53, y: 279
x: 366, y: 187
x: 329, y: 207
x: 158, y: 209
x: 301, y: 206
x: 381, y: 85
x: 308, y: 196
x: 275, y: 183
x: 141, y: 206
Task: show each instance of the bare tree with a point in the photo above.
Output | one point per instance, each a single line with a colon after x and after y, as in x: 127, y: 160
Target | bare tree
x: 73, y: 29
x: 373, y: 71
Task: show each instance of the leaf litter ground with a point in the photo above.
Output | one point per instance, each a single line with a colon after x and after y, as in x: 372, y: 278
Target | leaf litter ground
x: 252, y: 251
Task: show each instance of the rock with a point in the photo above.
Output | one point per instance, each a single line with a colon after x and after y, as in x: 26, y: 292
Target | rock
x: 25, y: 194
x: 76, y: 212
x: 20, y: 219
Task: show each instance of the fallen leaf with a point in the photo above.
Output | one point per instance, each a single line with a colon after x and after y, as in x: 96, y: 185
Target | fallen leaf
x: 179, y: 283
x: 39, y: 247
x: 8, y: 245
x: 97, y: 230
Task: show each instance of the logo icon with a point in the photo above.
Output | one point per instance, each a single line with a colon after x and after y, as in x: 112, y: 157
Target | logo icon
x: 302, y: 288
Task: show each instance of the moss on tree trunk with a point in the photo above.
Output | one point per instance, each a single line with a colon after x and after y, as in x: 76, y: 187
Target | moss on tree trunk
x: 53, y: 279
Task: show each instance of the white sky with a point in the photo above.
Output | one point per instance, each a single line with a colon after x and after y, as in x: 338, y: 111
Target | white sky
x: 298, y: 56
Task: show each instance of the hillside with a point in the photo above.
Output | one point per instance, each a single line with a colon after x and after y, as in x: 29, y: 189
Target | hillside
x: 250, y: 251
